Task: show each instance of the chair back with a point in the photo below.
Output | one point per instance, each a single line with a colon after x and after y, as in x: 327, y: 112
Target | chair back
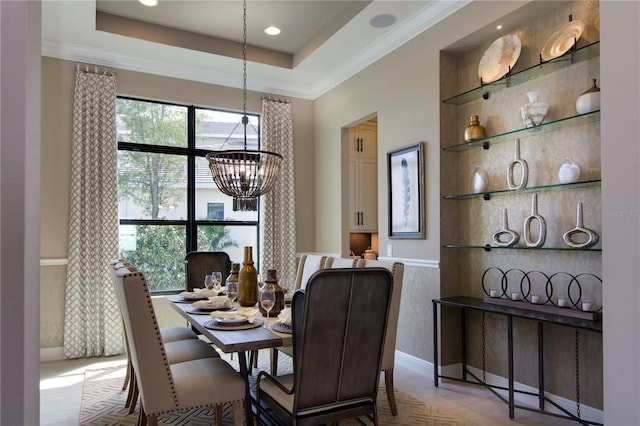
x: 201, y: 263
x: 397, y: 270
x: 341, y: 262
x: 339, y: 323
x: 307, y: 265
x: 152, y: 370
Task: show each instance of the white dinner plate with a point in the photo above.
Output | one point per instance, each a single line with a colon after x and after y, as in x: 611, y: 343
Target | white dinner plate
x: 501, y: 56
x: 562, y: 40
x: 229, y: 319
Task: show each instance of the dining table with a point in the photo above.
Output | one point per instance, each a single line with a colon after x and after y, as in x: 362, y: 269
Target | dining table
x: 234, y: 340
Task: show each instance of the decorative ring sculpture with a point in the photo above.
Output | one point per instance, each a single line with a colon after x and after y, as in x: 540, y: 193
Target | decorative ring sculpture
x: 592, y: 236
x: 526, y: 293
x: 542, y: 235
x: 512, y: 236
x: 524, y: 177
x: 530, y: 297
x: 503, y: 282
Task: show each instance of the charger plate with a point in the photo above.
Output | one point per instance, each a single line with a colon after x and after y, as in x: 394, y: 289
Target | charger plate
x: 281, y: 328
x: 499, y: 58
x: 214, y: 325
x: 562, y: 40
x: 207, y: 311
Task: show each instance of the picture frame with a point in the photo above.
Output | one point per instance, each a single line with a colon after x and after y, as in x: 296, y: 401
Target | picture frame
x: 405, y: 169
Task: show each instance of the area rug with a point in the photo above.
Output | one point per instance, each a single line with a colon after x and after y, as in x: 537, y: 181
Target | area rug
x: 103, y: 404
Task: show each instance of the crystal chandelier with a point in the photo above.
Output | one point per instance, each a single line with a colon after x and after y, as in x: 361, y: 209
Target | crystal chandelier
x: 244, y: 174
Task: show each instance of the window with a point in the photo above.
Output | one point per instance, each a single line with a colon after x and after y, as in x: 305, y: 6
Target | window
x: 168, y: 204
x: 215, y: 211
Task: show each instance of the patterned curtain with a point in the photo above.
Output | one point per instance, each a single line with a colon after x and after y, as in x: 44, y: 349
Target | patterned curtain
x: 92, y: 324
x: 277, y: 209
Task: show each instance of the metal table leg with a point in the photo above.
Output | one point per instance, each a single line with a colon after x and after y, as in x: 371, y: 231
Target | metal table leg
x: 248, y: 402
x: 510, y: 349
x: 435, y: 345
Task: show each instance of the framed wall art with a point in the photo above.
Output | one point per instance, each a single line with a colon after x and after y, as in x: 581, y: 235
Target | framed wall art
x: 405, y: 168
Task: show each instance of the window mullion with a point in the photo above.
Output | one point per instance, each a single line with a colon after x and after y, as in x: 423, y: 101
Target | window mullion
x: 192, y: 231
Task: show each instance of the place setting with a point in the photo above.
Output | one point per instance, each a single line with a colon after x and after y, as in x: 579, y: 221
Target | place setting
x: 232, y: 318
x: 283, y: 323
x: 212, y: 288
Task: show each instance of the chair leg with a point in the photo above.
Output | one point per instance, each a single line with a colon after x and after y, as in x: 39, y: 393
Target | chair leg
x: 274, y: 362
x: 134, y: 397
x: 237, y: 413
x: 217, y: 410
x: 391, y: 397
x: 142, y: 417
x: 132, y: 385
x: 128, y: 375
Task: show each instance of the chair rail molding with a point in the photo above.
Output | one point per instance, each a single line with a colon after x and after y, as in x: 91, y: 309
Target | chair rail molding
x: 54, y: 261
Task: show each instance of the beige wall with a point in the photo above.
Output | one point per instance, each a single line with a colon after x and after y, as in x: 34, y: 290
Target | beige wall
x: 58, y: 79
x: 403, y: 90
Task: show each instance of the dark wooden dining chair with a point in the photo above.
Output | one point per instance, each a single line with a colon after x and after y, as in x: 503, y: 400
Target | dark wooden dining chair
x: 165, y: 387
x: 339, y: 323
x: 201, y: 263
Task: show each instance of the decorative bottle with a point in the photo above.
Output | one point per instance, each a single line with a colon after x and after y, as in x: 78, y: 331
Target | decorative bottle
x: 271, y: 283
x: 248, y: 280
x: 233, y: 274
x: 589, y: 101
x: 474, y: 131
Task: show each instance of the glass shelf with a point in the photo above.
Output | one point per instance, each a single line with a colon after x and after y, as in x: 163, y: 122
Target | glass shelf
x: 526, y: 131
x: 538, y: 70
x: 489, y: 247
x: 488, y: 194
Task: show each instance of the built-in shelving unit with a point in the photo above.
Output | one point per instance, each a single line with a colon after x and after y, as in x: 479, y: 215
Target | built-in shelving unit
x: 534, y: 71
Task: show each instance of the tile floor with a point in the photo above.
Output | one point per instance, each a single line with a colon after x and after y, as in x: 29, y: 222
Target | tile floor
x: 61, y: 390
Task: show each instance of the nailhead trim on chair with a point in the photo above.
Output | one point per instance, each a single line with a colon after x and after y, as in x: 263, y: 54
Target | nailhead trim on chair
x: 159, y: 337
x: 166, y: 362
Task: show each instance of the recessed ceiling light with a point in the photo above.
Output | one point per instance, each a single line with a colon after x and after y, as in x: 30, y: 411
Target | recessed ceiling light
x: 149, y: 2
x: 499, y: 27
x: 382, y: 21
x: 272, y: 30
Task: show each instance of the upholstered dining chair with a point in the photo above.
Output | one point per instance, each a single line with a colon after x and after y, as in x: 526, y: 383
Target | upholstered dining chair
x: 181, y: 345
x: 388, y: 358
x: 339, y: 324
x: 169, y: 334
x: 307, y: 265
x: 166, y: 387
x: 201, y: 263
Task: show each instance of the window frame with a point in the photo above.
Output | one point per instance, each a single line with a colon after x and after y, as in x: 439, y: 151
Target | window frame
x: 191, y: 224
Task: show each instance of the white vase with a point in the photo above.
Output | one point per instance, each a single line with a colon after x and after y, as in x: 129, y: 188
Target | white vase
x: 569, y: 171
x: 589, y: 101
x: 533, y: 113
x: 479, y: 181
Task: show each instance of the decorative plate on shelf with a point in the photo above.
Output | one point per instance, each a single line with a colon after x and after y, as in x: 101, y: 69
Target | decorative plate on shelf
x: 562, y: 40
x: 501, y: 56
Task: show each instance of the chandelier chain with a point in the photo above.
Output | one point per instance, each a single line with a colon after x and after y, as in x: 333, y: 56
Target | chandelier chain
x: 244, y: 58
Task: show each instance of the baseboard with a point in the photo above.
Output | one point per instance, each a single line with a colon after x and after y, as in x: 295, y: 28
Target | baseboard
x: 423, y: 367
x: 52, y: 354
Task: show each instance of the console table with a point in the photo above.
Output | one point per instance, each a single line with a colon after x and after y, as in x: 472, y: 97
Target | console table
x: 465, y: 304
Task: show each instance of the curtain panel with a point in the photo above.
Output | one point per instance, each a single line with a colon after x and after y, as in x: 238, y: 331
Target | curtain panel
x: 92, y: 323
x: 277, y: 209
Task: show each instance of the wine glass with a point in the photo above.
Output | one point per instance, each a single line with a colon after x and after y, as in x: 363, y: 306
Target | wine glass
x: 217, y: 278
x: 267, y: 300
x: 232, y: 290
x: 208, y: 282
